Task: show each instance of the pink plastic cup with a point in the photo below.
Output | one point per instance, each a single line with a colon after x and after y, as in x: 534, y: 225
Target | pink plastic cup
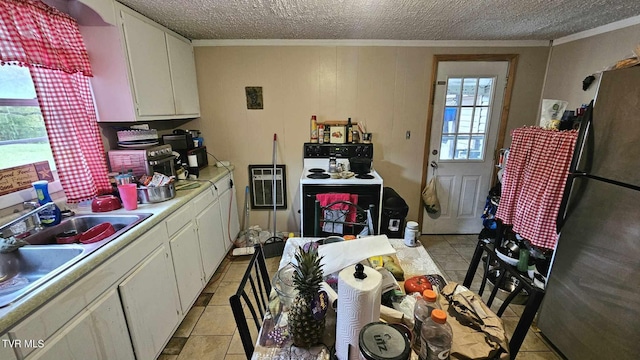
x: 129, y: 196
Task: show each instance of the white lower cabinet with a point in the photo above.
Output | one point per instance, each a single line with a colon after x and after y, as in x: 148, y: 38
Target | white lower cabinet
x: 187, y: 265
x: 99, y: 332
x: 209, y: 224
x: 6, y: 350
x: 229, y: 211
x: 150, y: 304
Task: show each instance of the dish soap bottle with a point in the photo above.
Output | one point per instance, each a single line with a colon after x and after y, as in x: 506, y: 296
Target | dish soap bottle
x: 51, y: 215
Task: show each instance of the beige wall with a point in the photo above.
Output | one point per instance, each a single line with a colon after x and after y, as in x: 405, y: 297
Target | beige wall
x: 573, y: 61
x: 387, y: 87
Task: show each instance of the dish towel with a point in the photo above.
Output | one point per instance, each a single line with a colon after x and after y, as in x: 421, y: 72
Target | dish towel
x: 338, y: 212
x: 533, y: 182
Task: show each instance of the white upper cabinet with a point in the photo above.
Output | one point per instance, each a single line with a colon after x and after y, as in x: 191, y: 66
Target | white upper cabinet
x: 149, y: 66
x: 183, y: 76
x: 142, y: 71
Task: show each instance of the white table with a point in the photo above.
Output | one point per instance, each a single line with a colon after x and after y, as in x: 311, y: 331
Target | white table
x: 414, y: 261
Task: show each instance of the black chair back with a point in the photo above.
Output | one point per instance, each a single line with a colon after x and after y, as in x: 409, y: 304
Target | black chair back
x: 253, y: 292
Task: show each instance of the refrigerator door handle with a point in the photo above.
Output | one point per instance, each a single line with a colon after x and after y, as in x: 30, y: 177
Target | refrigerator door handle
x: 562, y: 216
x: 582, y: 139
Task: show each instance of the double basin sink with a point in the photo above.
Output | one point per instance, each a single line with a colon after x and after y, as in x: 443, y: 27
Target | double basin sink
x: 31, y: 266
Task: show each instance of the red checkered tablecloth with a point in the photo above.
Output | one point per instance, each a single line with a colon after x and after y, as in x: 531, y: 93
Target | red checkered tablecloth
x: 533, y: 182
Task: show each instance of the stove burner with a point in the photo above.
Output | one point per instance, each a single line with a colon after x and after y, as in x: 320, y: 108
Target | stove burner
x: 318, y: 176
x: 316, y: 170
x: 364, y: 176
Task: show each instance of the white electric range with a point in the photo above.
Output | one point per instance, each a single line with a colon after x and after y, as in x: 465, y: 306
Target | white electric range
x: 315, y: 180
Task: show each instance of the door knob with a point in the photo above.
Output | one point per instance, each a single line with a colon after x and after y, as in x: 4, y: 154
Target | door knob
x: 434, y: 164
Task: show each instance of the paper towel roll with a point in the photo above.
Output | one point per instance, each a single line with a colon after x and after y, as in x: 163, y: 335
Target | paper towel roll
x: 358, y: 305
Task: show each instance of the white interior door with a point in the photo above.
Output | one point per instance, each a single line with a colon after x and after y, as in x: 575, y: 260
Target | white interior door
x: 466, y: 115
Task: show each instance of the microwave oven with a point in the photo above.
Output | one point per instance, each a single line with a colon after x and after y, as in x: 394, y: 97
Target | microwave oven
x: 143, y: 161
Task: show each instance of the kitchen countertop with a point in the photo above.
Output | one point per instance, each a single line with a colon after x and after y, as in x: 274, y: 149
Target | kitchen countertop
x: 12, y: 314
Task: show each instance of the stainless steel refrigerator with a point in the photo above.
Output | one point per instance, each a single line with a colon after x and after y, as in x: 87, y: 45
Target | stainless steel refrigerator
x: 591, y: 308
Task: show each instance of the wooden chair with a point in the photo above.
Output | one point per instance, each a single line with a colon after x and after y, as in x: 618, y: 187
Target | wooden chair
x: 349, y: 227
x: 253, y: 293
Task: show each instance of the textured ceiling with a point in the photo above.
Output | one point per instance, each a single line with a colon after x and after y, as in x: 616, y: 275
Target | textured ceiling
x: 384, y: 19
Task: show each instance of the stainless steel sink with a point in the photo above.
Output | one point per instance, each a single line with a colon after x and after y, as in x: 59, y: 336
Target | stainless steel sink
x: 81, y: 223
x: 31, y: 266
x: 25, y: 269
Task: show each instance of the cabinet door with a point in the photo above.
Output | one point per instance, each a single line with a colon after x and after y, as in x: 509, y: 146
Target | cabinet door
x: 212, y: 247
x: 98, y: 333
x: 150, y: 304
x: 183, y: 76
x: 187, y: 265
x: 229, y: 212
x: 149, y: 66
x: 6, y: 350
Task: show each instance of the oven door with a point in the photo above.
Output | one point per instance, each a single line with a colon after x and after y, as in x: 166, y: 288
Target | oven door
x: 164, y: 166
x: 367, y: 195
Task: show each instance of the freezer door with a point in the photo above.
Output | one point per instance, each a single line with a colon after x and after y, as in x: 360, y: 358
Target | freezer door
x: 592, y: 302
x: 612, y: 148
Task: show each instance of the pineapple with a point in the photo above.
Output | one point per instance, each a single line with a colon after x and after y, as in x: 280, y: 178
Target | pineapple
x: 303, y: 326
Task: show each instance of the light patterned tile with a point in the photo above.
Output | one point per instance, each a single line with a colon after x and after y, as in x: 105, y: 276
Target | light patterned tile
x: 236, y: 344
x: 215, y: 320
x: 235, y: 357
x: 235, y: 272
x: 223, y: 292
x: 205, y: 347
x: 167, y: 357
x: 174, y: 346
x: 532, y: 342
x: 451, y: 262
x: 189, y: 322
x: 537, y: 355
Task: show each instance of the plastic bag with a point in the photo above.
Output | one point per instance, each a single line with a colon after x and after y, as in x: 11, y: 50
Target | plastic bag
x: 430, y: 197
x: 551, y: 113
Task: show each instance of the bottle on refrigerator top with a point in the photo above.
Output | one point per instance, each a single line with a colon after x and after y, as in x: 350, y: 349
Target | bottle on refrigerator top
x: 425, y: 305
x: 321, y: 133
x: 349, y: 132
x: 50, y: 216
x: 436, y: 337
x: 314, y: 129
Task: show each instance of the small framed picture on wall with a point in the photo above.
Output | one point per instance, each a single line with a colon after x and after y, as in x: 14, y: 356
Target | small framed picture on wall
x: 254, y: 97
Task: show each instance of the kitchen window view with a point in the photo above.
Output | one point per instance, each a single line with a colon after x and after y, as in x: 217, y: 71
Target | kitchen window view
x: 23, y: 138
x: 466, y: 117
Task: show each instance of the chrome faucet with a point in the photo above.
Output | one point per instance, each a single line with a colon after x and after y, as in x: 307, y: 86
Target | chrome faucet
x: 27, y: 223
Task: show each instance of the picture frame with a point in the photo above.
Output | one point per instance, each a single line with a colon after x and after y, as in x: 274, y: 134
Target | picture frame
x: 254, y: 97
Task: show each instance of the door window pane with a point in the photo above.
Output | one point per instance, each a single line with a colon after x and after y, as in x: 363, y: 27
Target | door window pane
x: 469, y: 88
x: 447, y: 147
x: 480, y: 118
x: 462, y: 147
x: 476, y: 147
x: 449, y: 123
x: 466, y: 118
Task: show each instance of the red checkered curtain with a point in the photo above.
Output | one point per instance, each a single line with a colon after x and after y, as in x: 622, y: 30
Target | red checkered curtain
x: 533, y: 182
x: 49, y: 42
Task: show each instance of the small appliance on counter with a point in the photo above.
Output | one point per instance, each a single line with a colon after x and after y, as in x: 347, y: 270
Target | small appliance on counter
x: 197, y: 157
x: 181, y: 141
x: 143, y: 161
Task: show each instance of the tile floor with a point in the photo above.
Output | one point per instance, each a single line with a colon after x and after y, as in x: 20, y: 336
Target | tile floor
x: 209, y: 330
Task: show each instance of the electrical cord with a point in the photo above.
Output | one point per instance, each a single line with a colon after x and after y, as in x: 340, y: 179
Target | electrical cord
x: 231, y: 199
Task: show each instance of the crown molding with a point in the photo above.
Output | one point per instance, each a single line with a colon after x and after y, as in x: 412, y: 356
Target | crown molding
x: 397, y: 43
x: 599, y: 30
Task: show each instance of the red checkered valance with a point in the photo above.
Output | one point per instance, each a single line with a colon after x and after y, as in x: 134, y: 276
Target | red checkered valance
x: 37, y: 35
